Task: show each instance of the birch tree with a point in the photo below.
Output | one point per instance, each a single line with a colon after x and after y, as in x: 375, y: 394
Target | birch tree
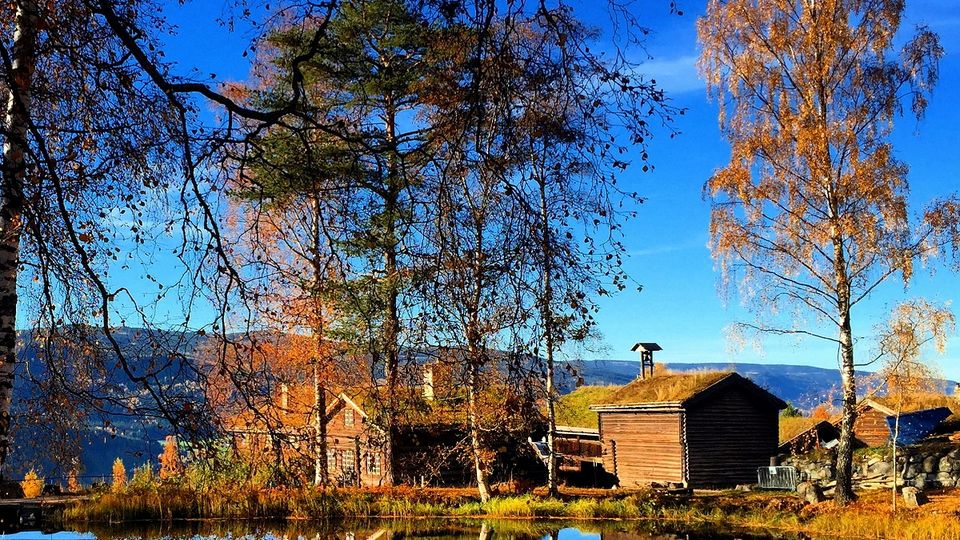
x: 811, y: 211
x: 92, y: 153
x: 21, y: 62
x: 581, y: 120
x: 476, y: 240
x: 912, y: 327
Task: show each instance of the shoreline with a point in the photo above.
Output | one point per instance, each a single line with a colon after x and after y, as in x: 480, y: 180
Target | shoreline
x: 869, y: 517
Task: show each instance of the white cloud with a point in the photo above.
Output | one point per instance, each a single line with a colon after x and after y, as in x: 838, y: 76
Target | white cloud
x: 667, y: 248
x: 675, y: 75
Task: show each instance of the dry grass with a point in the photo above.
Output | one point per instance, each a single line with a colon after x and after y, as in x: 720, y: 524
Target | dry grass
x: 665, y: 388
x: 791, y: 426
x: 573, y: 409
x: 869, y: 517
x: 920, y: 401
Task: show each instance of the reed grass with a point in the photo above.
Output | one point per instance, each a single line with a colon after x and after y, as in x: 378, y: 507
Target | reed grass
x: 870, y: 518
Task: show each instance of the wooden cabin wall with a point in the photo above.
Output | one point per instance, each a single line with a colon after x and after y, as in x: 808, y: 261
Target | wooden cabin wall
x: 729, y: 435
x: 353, y: 443
x: 871, y: 427
x: 576, y: 446
x: 642, y: 447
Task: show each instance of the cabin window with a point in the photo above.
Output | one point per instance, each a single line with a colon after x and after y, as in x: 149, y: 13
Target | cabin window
x: 349, y: 458
x: 331, y: 457
x: 373, y: 463
x: 348, y: 417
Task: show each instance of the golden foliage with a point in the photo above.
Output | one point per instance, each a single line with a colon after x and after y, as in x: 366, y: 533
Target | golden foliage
x: 811, y: 211
x: 119, y: 482
x: 73, y: 483
x: 170, y: 465
x: 821, y: 412
x: 32, y: 485
x: 912, y: 380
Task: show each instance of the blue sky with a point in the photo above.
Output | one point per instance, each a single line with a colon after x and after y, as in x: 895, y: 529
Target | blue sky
x: 679, y: 306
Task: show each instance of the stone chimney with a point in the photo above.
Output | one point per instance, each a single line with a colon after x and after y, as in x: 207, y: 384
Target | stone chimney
x: 284, y: 398
x: 428, y: 390
x: 646, y: 351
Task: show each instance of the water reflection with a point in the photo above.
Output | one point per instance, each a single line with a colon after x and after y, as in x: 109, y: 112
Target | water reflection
x: 418, y: 529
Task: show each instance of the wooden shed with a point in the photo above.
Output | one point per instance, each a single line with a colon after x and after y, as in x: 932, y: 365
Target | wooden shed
x: 818, y: 434
x: 871, y: 427
x: 692, y: 429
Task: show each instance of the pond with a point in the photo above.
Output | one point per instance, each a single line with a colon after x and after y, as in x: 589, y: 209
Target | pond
x: 424, y: 529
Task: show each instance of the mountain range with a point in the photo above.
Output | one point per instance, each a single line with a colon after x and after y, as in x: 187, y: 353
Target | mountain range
x: 803, y: 386
x: 135, y: 442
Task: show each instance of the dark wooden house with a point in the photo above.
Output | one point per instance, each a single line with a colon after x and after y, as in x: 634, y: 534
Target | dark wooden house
x: 820, y: 434
x: 355, y: 454
x: 691, y: 429
x: 872, y: 428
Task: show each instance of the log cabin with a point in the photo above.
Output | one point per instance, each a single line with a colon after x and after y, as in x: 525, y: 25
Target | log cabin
x: 355, y: 454
x: 701, y: 429
x: 872, y: 426
x: 819, y: 434
x: 354, y: 443
x: 431, y: 436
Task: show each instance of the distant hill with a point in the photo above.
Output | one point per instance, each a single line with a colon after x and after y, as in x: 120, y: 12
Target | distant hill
x: 136, y: 442
x: 39, y: 431
x: 804, y: 386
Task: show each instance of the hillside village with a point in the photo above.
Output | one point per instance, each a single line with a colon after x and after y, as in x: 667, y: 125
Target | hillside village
x: 274, y: 260
x: 676, y: 430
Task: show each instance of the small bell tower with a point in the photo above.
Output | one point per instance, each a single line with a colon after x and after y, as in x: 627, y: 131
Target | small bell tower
x: 646, y: 351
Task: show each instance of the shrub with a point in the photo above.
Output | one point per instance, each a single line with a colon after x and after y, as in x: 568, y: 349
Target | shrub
x: 73, y: 483
x: 32, y: 485
x: 170, y: 466
x: 119, y: 476
x: 143, y: 478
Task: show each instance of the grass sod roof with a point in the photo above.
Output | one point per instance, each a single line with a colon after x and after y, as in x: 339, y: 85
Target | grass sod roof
x: 918, y: 402
x: 791, y: 426
x: 573, y: 409
x: 664, y: 388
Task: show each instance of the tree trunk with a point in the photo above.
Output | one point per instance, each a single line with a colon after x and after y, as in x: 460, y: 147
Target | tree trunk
x: 391, y: 330
x: 321, y: 470
x: 896, y: 435
x: 477, y: 359
x: 11, y: 203
x: 479, y: 464
x: 844, y: 490
x: 548, y: 330
x: 391, y: 327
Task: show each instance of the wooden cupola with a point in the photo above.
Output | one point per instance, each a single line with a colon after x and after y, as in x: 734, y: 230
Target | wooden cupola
x: 646, y: 350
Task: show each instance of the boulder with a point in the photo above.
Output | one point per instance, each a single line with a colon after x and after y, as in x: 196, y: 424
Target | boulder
x: 930, y: 464
x: 920, y: 482
x: 913, y: 497
x: 946, y: 464
x: 880, y: 467
x: 810, y: 492
x: 945, y: 479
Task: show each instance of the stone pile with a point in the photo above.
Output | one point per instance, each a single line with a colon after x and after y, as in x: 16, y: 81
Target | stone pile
x: 919, y: 467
